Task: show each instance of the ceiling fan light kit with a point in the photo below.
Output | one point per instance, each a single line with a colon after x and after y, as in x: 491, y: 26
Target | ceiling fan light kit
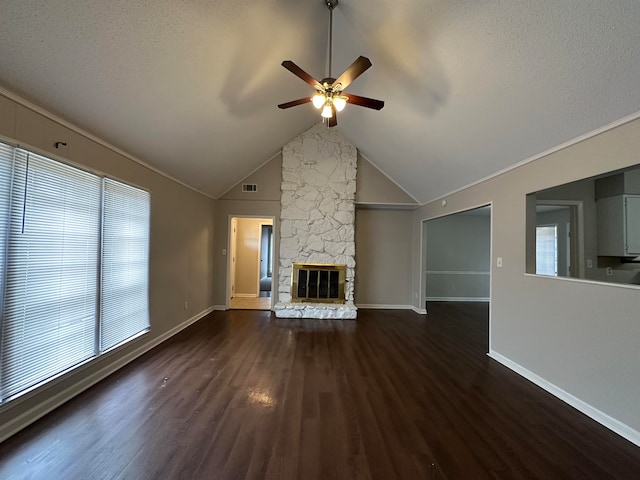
x: 329, y: 97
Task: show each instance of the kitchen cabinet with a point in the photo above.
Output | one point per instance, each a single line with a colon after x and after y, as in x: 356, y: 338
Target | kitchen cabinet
x: 619, y: 226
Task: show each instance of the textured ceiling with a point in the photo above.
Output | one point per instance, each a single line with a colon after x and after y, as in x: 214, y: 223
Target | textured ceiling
x: 471, y: 87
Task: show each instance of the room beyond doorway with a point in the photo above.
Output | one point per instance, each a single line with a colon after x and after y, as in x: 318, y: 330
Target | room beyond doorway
x: 250, y: 267
x: 457, y: 257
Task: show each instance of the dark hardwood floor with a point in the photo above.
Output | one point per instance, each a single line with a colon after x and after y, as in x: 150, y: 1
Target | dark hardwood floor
x: 393, y: 395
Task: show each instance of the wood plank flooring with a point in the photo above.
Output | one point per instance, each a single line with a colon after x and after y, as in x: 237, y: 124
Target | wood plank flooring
x: 393, y: 395
x: 250, y: 303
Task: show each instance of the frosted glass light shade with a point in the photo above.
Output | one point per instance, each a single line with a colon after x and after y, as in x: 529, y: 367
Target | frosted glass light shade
x: 318, y: 100
x: 326, y: 111
x: 339, y: 102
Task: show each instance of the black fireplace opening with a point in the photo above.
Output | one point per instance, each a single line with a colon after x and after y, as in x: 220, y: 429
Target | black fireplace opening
x: 319, y: 283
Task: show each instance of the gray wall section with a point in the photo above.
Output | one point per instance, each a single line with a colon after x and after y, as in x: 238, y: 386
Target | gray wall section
x: 579, y: 336
x: 383, y: 257
x: 267, y: 178
x: 374, y: 187
x: 458, y: 257
x: 180, y: 262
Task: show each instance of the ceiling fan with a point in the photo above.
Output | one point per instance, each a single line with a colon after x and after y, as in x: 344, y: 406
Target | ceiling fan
x: 330, y: 97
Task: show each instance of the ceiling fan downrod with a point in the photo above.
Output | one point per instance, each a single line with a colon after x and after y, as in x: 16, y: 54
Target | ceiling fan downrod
x: 331, y: 4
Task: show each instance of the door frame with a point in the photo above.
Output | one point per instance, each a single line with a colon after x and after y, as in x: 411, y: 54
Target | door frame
x: 231, y: 250
x: 576, y: 215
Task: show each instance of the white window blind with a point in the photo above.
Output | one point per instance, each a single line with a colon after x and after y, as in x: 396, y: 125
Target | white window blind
x: 49, y: 315
x: 125, y: 263
x: 74, y: 261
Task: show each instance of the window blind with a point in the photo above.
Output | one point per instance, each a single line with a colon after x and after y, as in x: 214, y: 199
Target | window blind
x: 74, y: 261
x: 125, y: 263
x: 50, y: 304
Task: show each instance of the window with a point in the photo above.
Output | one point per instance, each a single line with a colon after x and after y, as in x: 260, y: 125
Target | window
x: 73, y: 267
x: 547, y: 250
x: 125, y: 263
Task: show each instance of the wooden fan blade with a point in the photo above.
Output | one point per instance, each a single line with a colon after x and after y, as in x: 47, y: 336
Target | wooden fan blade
x: 298, y: 72
x: 295, y: 103
x: 364, y: 101
x: 356, y: 69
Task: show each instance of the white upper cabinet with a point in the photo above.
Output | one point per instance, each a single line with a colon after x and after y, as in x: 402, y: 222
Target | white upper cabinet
x: 619, y: 226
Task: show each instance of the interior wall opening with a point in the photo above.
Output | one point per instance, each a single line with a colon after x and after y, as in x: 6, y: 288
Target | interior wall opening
x: 250, y: 277
x: 457, y: 253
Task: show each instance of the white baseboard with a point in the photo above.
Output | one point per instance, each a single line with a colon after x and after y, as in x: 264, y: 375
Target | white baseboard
x: 382, y: 306
x: 245, y: 295
x: 458, y: 299
x: 379, y: 306
x: 602, y: 418
x: 220, y: 308
x: 51, y: 403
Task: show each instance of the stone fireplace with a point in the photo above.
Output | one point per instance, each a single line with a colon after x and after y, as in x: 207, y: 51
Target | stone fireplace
x: 317, y: 223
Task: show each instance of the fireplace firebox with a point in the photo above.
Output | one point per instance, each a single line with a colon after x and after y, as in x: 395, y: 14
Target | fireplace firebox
x: 321, y: 283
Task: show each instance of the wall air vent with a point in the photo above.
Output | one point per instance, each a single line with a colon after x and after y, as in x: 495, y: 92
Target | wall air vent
x: 249, y: 187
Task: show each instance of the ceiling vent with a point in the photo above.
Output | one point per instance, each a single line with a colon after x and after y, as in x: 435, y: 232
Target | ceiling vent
x: 249, y: 187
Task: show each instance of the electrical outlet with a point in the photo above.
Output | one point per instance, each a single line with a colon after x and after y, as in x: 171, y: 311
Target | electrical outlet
x: 589, y: 263
x: 499, y: 262
x: 224, y: 251
x: 186, y: 305
x: 609, y: 272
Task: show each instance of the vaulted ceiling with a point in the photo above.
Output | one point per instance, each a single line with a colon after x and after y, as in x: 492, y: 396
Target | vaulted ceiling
x: 191, y: 87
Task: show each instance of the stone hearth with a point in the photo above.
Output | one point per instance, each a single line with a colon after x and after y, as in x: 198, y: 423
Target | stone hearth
x: 317, y: 216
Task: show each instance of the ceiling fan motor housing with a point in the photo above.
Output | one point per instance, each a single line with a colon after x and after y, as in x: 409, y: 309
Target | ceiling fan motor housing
x: 327, y: 83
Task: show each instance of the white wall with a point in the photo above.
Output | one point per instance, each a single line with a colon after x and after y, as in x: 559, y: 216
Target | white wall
x: 577, y: 338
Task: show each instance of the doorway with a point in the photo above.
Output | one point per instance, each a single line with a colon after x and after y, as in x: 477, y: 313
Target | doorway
x: 457, y: 258
x: 266, y: 259
x: 559, y: 239
x: 250, y: 268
